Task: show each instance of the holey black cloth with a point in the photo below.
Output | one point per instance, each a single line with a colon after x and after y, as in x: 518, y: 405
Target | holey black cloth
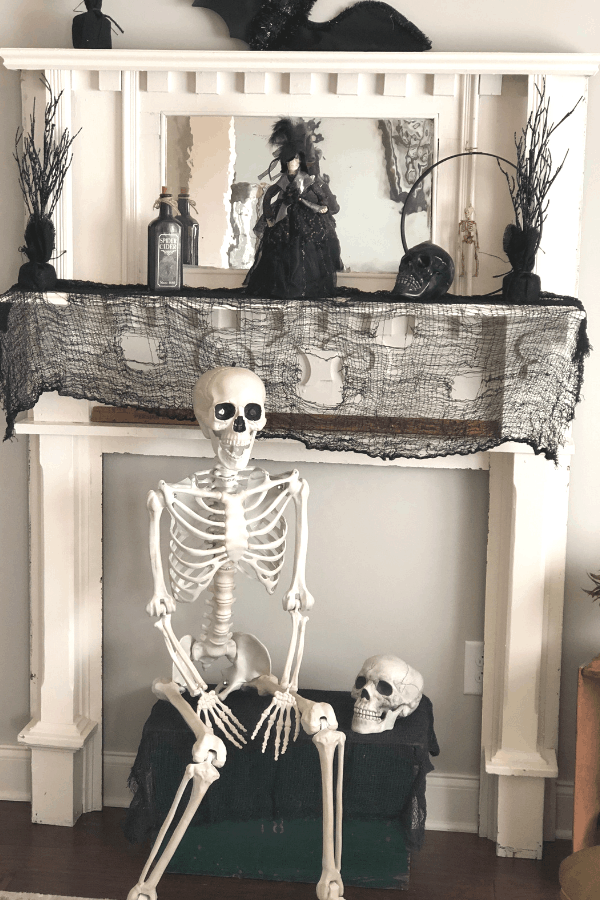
x: 409, y: 379
x: 384, y: 774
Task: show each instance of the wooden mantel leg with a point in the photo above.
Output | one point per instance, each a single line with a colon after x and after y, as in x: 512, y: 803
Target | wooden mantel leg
x: 63, y: 734
x: 523, y: 627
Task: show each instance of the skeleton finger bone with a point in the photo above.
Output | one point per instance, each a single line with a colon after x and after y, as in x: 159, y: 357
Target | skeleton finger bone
x: 224, y: 719
x: 277, y: 712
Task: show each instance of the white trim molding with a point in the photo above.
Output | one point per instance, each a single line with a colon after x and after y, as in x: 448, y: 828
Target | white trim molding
x: 281, y: 61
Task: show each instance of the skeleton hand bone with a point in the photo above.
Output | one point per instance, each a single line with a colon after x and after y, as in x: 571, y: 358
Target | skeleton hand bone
x: 279, y: 713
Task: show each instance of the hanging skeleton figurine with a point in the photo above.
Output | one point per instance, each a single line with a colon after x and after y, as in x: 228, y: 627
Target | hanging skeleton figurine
x: 467, y: 232
x: 224, y: 520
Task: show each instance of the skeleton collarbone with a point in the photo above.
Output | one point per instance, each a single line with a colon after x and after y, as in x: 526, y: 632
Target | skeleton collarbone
x: 221, y: 522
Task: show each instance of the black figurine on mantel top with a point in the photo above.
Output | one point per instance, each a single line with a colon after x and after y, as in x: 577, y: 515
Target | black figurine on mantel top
x: 92, y: 29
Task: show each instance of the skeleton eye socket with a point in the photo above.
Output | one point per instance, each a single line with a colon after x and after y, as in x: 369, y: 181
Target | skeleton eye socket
x: 384, y: 688
x: 360, y: 682
x: 252, y: 411
x: 224, y: 411
x: 424, y: 260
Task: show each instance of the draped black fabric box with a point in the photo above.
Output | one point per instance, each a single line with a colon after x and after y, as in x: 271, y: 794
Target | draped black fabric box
x: 270, y: 811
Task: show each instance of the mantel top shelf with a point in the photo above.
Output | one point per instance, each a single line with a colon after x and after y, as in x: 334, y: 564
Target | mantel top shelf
x: 43, y: 58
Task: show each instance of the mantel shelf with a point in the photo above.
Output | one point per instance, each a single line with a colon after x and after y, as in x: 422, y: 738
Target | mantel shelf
x: 34, y: 58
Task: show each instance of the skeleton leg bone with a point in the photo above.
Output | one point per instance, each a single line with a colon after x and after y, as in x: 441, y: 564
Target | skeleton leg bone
x: 208, y: 754
x: 330, y: 886
x: 202, y: 776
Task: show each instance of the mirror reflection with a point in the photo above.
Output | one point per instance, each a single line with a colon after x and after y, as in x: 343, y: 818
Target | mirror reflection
x: 370, y: 164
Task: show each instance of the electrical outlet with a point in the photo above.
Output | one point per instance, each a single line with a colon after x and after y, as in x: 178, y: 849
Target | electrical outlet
x: 473, y: 667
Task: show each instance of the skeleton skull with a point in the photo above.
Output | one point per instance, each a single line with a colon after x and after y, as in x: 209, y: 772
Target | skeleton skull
x: 426, y: 272
x: 229, y: 404
x: 385, y: 688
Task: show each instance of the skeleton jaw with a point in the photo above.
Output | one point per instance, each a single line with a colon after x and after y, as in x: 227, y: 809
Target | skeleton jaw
x: 369, y: 721
x: 233, y: 450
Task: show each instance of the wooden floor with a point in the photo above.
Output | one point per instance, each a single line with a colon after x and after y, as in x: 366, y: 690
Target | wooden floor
x: 93, y: 859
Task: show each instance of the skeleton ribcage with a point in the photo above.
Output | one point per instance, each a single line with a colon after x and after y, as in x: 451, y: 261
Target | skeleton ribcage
x: 249, y: 530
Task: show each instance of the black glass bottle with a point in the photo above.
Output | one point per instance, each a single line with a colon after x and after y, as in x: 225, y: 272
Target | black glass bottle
x: 165, y: 259
x: 190, y: 230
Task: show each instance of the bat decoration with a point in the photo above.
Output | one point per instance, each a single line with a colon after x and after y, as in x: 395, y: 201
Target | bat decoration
x: 284, y: 25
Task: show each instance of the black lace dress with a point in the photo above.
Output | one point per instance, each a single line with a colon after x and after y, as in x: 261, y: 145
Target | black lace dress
x: 299, y: 253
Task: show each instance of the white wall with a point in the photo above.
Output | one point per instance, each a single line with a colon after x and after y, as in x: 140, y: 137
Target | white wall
x: 482, y: 25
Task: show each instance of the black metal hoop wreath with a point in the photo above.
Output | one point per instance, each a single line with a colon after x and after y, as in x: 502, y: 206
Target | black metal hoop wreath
x: 434, y: 166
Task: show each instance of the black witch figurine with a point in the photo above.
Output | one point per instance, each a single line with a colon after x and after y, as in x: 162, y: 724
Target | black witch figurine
x: 299, y: 253
x: 92, y: 29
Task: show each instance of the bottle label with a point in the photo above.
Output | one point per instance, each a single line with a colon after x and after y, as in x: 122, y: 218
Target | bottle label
x: 167, y: 263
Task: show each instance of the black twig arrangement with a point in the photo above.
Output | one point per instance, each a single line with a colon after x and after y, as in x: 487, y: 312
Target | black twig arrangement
x: 42, y: 162
x: 529, y: 187
x: 42, y: 169
x: 595, y: 592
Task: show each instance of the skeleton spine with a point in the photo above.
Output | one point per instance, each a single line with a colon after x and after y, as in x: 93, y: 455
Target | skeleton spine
x: 216, y: 629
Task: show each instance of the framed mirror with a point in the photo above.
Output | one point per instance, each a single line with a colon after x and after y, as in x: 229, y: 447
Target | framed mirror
x: 369, y: 164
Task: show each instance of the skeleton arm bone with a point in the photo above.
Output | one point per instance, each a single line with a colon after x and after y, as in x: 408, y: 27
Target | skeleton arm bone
x: 298, y: 596
x: 161, y: 601
x: 186, y: 668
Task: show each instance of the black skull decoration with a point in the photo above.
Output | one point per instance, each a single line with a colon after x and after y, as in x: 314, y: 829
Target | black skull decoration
x: 426, y: 272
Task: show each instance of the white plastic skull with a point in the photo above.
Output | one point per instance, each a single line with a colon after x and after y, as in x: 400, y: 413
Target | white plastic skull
x: 385, y: 688
x: 229, y: 404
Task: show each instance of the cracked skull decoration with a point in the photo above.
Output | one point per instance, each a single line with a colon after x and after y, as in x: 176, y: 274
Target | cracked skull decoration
x: 229, y: 404
x: 385, y: 688
x: 426, y: 272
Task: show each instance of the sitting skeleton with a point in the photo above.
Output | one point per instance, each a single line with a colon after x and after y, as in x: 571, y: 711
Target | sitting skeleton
x: 224, y: 520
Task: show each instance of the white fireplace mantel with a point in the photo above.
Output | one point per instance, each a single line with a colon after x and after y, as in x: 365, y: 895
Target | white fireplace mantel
x: 523, y: 612
x: 121, y: 98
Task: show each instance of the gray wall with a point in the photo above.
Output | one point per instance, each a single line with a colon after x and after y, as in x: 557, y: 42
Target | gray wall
x: 437, y: 585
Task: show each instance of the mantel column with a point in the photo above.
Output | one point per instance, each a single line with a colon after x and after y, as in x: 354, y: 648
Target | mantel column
x: 523, y: 624
x: 65, y: 471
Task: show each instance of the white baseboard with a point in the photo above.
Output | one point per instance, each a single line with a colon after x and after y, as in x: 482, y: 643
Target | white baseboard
x: 452, y: 800
x: 15, y: 772
x: 117, y: 767
x: 564, y: 810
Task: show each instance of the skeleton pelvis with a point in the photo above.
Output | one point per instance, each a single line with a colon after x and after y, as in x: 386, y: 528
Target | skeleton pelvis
x: 252, y: 659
